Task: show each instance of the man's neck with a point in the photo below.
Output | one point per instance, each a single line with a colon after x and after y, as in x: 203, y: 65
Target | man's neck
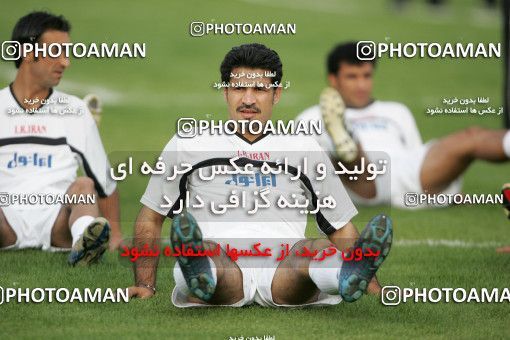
x: 370, y: 102
x: 251, y: 137
x: 24, y: 88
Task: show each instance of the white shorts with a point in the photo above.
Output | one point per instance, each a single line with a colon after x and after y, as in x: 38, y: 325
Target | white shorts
x: 405, y: 177
x: 257, y: 280
x: 32, y: 226
x: 405, y: 168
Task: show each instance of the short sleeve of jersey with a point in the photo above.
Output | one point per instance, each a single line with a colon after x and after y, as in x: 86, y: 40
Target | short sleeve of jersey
x: 329, y: 219
x: 323, y: 139
x: 84, y: 140
x: 409, y: 128
x: 94, y: 160
x: 159, y: 186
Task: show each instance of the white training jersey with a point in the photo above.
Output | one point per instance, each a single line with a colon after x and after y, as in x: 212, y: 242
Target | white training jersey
x: 387, y: 127
x: 205, y: 152
x: 40, y: 152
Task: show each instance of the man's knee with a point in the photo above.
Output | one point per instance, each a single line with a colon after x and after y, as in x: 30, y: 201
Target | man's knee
x: 297, y: 266
x: 82, y: 185
x: 301, y: 264
x: 294, y: 272
x: 472, y: 132
x: 313, y: 244
x: 462, y: 143
x: 7, y: 235
x: 229, y: 278
x: 471, y: 135
x: 471, y: 139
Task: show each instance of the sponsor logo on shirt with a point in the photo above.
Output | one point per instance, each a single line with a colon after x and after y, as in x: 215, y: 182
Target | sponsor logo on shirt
x: 34, y: 159
x: 258, y: 179
x: 365, y: 125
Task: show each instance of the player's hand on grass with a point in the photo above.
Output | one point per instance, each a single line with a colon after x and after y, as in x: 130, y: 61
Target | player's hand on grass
x: 374, y: 287
x: 140, y: 292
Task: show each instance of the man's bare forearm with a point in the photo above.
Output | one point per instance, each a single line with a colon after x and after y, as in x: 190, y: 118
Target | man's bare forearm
x: 147, y: 232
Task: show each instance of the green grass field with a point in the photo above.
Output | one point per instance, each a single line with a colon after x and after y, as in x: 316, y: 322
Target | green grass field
x: 145, y: 97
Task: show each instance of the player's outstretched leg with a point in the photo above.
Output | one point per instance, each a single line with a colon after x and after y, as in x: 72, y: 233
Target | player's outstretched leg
x: 92, y: 244
x: 185, y: 234
x: 333, y: 109
x: 355, y: 275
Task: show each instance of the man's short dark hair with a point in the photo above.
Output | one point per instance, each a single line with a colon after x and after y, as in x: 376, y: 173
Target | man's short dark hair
x: 252, y: 56
x: 344, y: 52
x: 29, y: 28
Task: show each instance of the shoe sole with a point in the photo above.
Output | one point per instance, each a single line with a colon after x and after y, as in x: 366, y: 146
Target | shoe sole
x: 95, y: 106
x: 333, y: 109
x: 185, y: 233
x: 92, y: 252
x: 378, y: 236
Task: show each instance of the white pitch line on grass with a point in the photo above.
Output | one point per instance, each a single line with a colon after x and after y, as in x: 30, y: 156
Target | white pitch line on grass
x: 325, y: 6
x: 446, y: 243
x: 107, y: 95
x: 478, y: 17
x: 143, y: 97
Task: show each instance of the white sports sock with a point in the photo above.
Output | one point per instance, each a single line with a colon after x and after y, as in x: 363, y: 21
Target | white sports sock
x: 180, y: 281
x: 325, y: 274
x: 79, y: 226
x: 506, y: 143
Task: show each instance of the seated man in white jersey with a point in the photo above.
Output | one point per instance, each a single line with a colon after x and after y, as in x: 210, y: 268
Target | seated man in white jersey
x: 215, y: 279
x: 45, y: 135
x: 359, y: 128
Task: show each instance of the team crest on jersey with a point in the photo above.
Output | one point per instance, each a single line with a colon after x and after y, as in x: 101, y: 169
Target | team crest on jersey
x: 29, y: 129
x: 257, y: 156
